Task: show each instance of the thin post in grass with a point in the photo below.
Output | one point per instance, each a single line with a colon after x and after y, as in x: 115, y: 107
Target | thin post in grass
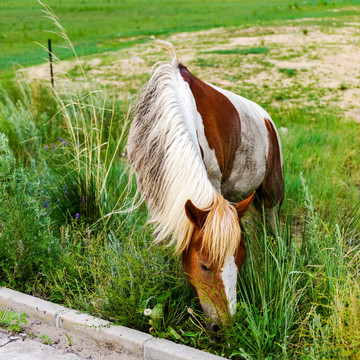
x: 51, y: 63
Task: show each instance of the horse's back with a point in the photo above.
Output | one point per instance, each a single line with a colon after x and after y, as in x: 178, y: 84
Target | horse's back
x: 233, y: 133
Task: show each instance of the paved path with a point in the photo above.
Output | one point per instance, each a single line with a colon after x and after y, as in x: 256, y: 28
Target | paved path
x: 22, y: 347
x: 14, y: 348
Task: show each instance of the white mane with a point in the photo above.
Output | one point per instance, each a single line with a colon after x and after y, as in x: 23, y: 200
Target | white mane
x: 164, y: 151
x: 165, y: 154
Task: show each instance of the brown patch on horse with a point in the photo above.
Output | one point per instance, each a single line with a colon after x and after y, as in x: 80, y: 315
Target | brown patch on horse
x: 220, y: 118
x: 272, y: 187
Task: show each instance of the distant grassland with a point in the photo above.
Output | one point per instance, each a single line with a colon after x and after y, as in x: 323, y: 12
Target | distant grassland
x: 98, y: 26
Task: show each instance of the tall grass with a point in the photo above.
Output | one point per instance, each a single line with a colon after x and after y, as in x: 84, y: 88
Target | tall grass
x: 25, y: 234
x: 95, y: 143
x: 298, y: 295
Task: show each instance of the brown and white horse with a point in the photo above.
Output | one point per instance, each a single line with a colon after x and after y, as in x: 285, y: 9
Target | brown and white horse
x: 197, y: 150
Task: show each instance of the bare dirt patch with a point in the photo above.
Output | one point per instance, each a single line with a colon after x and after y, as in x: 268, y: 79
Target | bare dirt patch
x: 301, y: 59
x: 67, y: 342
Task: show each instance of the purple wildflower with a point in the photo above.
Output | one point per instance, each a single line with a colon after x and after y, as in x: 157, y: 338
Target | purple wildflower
x: 67, y: 144
x: 77, y: 215
x: 63, y: 140
x: 52, y: 144
x: 46, y: 147
x: 1, y: 225
x: 83, y: 200
x: 59, y: 138
x: 24, y: 204
x: 55, y: 147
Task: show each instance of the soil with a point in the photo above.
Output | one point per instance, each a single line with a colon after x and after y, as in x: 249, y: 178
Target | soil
x: 68, y: 342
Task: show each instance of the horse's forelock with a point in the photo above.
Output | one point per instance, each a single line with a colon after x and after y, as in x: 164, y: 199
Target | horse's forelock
x: 221, y: 232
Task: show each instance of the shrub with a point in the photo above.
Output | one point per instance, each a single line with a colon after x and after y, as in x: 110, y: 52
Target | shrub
x: 25, y: 237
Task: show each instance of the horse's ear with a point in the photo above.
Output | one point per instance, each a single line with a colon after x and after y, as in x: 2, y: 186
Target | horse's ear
x: 194, y: 214
x: 242, y: 206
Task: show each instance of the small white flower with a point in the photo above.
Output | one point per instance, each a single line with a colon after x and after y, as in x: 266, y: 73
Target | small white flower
x: 147, y: 312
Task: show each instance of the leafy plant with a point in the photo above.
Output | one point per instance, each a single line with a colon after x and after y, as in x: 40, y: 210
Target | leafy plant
x: 46, y: 339
x: 12, y: 320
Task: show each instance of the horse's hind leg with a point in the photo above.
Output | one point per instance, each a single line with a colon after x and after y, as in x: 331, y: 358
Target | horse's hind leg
x: 270, y: 215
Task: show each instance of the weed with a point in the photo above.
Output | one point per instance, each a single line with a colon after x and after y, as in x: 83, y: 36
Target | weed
x: 12, y: 320
x: 69, y: 339
x: 46, y: 339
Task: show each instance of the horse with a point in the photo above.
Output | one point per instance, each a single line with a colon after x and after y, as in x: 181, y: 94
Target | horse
x: 200, y: 154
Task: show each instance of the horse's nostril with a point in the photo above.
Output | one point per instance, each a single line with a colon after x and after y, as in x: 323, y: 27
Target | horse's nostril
x: 215, y: 327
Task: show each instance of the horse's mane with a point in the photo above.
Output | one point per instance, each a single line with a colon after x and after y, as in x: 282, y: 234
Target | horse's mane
x: 165, y: 154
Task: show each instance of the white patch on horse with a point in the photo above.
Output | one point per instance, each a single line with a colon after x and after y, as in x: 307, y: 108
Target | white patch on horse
x: 187, y: 106
x: 210, y: 160
x: 249, y: 165
x: 229, y: 274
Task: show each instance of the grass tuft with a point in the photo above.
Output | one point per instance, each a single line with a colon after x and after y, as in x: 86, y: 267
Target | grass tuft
x: 256, y: 50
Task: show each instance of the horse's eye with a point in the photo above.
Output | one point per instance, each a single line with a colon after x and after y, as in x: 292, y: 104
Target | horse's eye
x: 204, y: 267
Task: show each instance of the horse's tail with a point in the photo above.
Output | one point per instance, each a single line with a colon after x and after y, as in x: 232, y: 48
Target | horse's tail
x: 164, y: 151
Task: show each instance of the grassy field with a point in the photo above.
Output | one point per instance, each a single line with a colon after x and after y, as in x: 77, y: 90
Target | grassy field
x: 63, y: 168
x: 99, y: 26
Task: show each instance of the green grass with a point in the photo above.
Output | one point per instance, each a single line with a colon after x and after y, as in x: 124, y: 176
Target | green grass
x: 288, y: 72
x: 257, y: 50
x: 62, y: 169
x: 100, y: 26
x: 294, y: 301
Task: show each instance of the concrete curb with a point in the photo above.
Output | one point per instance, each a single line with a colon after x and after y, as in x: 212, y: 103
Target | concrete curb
x: 130, y: 340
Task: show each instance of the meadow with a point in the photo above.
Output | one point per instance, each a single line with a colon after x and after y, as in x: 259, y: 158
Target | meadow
x: 63, y: 170
x: 100, y: 26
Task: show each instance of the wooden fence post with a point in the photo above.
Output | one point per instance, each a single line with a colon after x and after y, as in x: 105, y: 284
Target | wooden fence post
x: 51, y: 63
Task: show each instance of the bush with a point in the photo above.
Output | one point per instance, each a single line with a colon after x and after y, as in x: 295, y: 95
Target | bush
x: 25, y: 235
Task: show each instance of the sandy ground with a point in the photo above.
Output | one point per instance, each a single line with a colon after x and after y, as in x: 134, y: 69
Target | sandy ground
x: 324, y: 57
x: 57, y: 343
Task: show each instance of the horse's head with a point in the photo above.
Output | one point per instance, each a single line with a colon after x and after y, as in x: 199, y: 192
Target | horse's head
x: 214, y: 256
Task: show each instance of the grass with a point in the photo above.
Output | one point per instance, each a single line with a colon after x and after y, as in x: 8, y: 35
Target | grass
x: 128, y: 22
x: 288, y: 72
x: 257, y: 50
x: 62, y: 169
